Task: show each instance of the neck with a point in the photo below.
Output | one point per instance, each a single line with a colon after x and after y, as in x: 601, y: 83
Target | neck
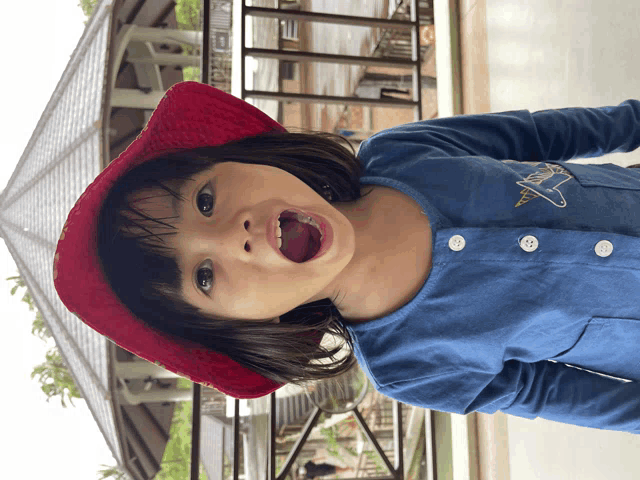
x: 392, y: 258
x: 355, y: 291
x: 353, y: 285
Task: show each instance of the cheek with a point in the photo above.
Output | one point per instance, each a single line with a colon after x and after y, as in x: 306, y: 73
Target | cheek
x: 242, y: 292
x: 257, y: 296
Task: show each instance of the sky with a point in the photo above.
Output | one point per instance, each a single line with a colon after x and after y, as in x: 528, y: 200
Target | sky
x: 41, y: 440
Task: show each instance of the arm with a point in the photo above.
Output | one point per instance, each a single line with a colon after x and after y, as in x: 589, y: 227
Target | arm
x: 553, y: 391
x: 560, y: 134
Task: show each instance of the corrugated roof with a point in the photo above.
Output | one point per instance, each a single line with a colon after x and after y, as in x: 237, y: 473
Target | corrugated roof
x: 62, y: 157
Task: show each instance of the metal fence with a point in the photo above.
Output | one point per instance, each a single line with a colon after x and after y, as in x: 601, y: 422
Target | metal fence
x: 398, y: 41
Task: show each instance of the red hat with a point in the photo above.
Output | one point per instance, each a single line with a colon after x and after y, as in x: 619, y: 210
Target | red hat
x: 190, y: 115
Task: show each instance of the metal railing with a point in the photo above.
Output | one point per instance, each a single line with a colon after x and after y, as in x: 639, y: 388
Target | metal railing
x: 412, y: 25
x: 396, y: 469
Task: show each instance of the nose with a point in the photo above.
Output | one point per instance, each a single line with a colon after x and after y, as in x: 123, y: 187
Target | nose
x: 247, y: 246
x: 236, y: 236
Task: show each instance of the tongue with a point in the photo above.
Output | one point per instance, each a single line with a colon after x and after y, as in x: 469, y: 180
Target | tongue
x: 300, y: 241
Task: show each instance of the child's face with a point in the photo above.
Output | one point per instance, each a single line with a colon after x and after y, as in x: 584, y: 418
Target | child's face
x: 226, y: 248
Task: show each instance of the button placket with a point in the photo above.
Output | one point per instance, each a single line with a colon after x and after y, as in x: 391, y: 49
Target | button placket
x: 529, y: 243
x: 457, y: 243
x: 604, y: 248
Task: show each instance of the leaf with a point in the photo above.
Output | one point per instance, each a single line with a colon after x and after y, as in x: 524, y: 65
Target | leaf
x: 55, y: 378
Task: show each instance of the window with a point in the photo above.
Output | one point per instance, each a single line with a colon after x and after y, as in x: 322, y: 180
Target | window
x: 287, y: 70
x: 220, y: 41
x: 289, y: 29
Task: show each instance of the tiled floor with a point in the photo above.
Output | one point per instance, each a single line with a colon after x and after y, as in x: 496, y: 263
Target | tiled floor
x: 553, y: 54
x: 538, y: 55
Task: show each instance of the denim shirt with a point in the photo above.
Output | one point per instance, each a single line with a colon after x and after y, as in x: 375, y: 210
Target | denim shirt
x: 532, y: 306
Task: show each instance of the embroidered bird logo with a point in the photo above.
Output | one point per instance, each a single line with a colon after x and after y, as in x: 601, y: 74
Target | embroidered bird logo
x: 544, y: 183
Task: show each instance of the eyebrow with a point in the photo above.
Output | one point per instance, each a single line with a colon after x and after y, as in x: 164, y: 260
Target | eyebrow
x: 176, y: 205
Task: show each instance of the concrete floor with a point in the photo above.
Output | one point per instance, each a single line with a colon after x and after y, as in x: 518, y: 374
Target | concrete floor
x: 538, y: 55
x: 559, y: 53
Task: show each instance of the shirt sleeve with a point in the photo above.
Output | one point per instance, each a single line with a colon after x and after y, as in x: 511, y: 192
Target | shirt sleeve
x: 520, y: 135
x: 553, y: 391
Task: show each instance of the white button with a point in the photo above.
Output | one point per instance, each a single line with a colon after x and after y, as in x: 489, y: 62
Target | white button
x: 457, y: 243
x: 529, y: 243
x: 604, y: 248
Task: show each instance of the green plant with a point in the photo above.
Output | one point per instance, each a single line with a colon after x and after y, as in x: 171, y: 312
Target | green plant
x: 88, y: 6
x: 188, y: 14
x: 176, y: 461
x: 183, y: 384
x: 279, y: 463
x: 351, y: 450
x: 39, y: 329
x: 377, y: 461
x: 227, y: 471
x: 26, y: 297
x: 55, y: 378
x: 111, y: 472
x: 188, y: 18
x: 330, y: 435
x: 191, y: 74
x: 53, y: 374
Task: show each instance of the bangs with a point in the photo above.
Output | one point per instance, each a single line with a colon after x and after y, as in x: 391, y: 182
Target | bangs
x: 150, y: 220
x: 137, y: 259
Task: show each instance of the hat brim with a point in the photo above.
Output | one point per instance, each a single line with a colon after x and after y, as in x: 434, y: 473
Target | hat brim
x: 190, y: 115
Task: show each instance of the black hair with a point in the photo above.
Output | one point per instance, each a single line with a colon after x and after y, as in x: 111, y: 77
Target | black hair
x: 144, y: 274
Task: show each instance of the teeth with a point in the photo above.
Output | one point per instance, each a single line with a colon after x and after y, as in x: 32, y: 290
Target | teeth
x: 279, y: 234
x: 310, y: 221
x: 302, y: 219
x: 305, y: 219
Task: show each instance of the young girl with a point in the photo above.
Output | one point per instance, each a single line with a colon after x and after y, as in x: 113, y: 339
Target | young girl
x: 464, y: 263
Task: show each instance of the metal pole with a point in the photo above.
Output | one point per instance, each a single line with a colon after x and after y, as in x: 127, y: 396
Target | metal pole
x: 236, y: 441
x: 297, y: 447
x: 415, y: 56
x: 271, y: 458
x: 363, y: 424
x: 397, y: 439
x: 206, y: 41
x: 328, y: 18
x: 301, y: 56
x: 308, y: 98
x: 195, y: 433
x: 243, y: 50
x: 280, y: 114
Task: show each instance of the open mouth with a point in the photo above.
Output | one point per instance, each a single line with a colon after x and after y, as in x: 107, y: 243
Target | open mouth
x: 299, y: 237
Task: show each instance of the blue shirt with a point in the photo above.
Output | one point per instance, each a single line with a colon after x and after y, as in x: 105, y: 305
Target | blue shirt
x: 532, y: 305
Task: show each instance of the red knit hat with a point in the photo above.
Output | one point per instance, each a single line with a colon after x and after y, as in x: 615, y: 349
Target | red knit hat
x: 190, y: 115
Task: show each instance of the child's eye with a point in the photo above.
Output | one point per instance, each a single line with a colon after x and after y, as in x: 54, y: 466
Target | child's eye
x: 204, y: 276
x: 205, y: 201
